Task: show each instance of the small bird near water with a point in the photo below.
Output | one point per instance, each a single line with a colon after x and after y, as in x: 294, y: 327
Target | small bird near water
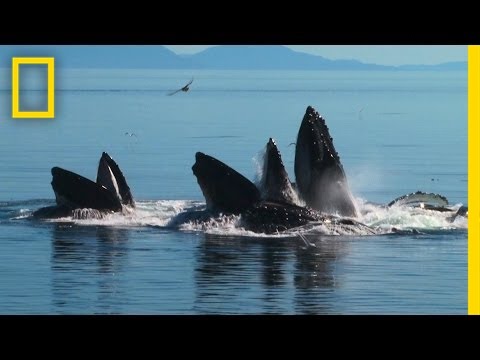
x: 184, y: 89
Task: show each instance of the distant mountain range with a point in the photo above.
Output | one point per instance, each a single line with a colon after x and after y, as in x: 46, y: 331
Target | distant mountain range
x: 225, y: 57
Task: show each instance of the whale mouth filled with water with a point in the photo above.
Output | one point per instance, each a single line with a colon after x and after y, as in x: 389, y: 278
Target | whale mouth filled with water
x: 74, y: 192
x: 228, y: 192
x: 320, y: 177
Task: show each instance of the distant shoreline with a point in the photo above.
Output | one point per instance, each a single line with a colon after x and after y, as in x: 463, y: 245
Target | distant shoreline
x: 225, y: 57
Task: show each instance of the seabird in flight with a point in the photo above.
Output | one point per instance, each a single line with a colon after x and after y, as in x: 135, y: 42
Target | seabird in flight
x: 185, y: 88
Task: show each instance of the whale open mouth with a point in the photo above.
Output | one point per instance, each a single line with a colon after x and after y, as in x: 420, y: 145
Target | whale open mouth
x: 275, y: 184
x: 320, y: 177
x: 273, y: 159
x: 111, y: 177
x: 75, y: 191
x: 314, y: 144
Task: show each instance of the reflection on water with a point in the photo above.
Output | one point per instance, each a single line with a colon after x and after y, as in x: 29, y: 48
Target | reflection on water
x: 233, y: 272
x: 314, y: 275
x: 84, y: 259
x: 75, y: 269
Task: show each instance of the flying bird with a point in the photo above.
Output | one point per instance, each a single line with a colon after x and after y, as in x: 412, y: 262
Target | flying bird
x: 130, y: 134
x: 185, y: 88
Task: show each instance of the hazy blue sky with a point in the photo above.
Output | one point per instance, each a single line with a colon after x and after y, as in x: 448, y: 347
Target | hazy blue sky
x: 378, y: 54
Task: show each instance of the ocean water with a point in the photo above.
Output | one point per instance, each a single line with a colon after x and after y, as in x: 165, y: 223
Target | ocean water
x: 396, y: 133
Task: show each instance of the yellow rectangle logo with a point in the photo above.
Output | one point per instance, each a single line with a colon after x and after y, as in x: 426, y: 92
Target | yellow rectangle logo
x: 50, y: 112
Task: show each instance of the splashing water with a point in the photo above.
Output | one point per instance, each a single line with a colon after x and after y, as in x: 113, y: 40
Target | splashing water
x: 258, y: 163
x: 407, y: 218
x: 188, y: 215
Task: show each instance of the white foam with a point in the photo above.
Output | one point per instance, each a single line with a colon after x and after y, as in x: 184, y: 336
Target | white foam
x: 164, y: 213
x: 258, y: 162
x: 23, y: 214
x: 147, y: 213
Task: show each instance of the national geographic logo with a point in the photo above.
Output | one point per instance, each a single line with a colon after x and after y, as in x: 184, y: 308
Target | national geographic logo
x: 49, y: 113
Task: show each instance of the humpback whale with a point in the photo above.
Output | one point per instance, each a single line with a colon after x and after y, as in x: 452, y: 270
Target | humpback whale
x: 274, y: 183
x: 111, y: 177
x: 429, y: 201
x: 320, y: 177
x: 419, y: 198
x: 224, y: 189
x: 74, y: 192
x: 227, y: 191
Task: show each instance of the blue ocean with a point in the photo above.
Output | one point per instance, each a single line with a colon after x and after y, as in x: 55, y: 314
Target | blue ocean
x: 396, y: 132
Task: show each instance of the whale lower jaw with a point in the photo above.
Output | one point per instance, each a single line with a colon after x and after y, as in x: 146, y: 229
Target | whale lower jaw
x: 271, y: 217
x: 274, y: 218
x: 62, y: 211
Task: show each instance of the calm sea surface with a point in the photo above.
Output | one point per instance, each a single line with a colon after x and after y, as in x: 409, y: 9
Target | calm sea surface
x: 396, y: 132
